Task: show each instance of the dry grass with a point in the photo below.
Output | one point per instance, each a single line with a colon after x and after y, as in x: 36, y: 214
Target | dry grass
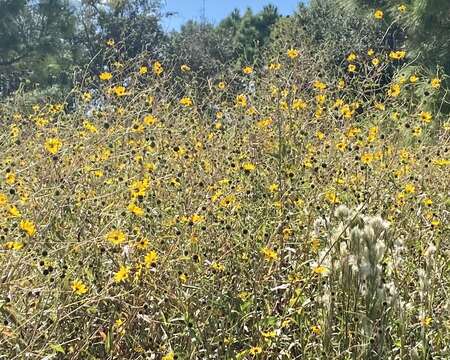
x: 245, y: 226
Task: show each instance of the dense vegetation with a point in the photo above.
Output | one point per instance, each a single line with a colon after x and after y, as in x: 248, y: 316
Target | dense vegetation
x: 283, y: 195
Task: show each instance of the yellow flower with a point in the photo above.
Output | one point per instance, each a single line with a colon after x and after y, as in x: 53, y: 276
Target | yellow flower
x: 273, y: 188
x: 110, y: 42
x: 375, y: 61
x: 196, y: 219
x: 413, y: 79
x: 410, y: 188
x: 248, y: 166
x: 14, y: 212
x: 3, y: 199
x: 185, y: 68
x: 143, y: 70
x: 316, y: 329
x: 142, y: 244
x: 183, y: 278
x: 351, y: 57
x: 87, y: 96
x: 320, y: 135
x: 187, y: 102
x: 346, y: 111
x: 269, y: 334
x: 10, y: 178
x: 417, y: 131
x: 341, y: 146
x: 435, y: 83
x: 157, y: 68
x: 293, y: 53
x: 244, y: 295
x: 221, y: 85
x: 90, y: 127
x: 269, y: 254
x: 28, y: 226
x: 120, y: 90
x: 13, y: 245
x: 169, y: 356
x: 367, y: 158
x: 218, y: 266
x: 397, y: 55
x: 401, y: 8
x: 116, y: 237
x: 426, y: 116
x: 299, y: 104
x: 241, y: 100
x: 378, y: 15
x: 149, y: 120
x: 320, y: 270
x: 370, y: 52
x: 105, y: 76
x: 274, y: 66
x: 247, y: 70
x: 78, y: 287
x: 136, y: 210
x: 319, y: 85
x: 427, y: 202
x: 255, y: 350
x: 53, y: 145
x: 351, y: 68
x: 331, y: 197
x: 426, y: 321
x: 263, y: 123
x: 320, y: 99
x: 151, y: 258
x: 435, y: 222
x: 394, y: 90
x: 122, y: 274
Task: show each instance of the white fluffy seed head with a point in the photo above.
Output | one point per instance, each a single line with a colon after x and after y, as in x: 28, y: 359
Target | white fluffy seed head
x: 342, y: 212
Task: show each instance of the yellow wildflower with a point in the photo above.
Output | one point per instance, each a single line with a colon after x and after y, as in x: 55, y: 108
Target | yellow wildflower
x: 185, y: 68
x: 186, y: 101
x: 151, y: 258
x: 435, y: 83
x: 105, y: 76
x: 28, y: 226
x: 426, y: 116
x: 143, y: 70
x: 116, y: 237
x: 157, y: 68
x: 269, y: 254
x: 122, y: 274
x: 53, y: 145
x: 247, y: 70
x: 78, y: 287
x: 378, y: 14
x: 293, y: 53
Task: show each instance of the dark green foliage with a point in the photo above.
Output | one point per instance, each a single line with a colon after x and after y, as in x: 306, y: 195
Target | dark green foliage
x: 43, y: 42
x: 35, y: 42
x: 323, y: 28
x: 134, y: 23
x: 249, y: 32
x: 204, y: 48
x: 425, y: 22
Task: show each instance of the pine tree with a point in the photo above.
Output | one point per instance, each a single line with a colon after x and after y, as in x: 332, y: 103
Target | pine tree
x: 426, y: 24
x: 249, y: 32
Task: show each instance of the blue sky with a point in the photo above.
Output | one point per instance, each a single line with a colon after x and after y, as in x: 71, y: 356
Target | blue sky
x: 216, y: 10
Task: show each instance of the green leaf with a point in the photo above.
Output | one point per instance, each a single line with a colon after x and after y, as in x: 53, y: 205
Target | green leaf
x: 57, y: 348
x: 109, y: 341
